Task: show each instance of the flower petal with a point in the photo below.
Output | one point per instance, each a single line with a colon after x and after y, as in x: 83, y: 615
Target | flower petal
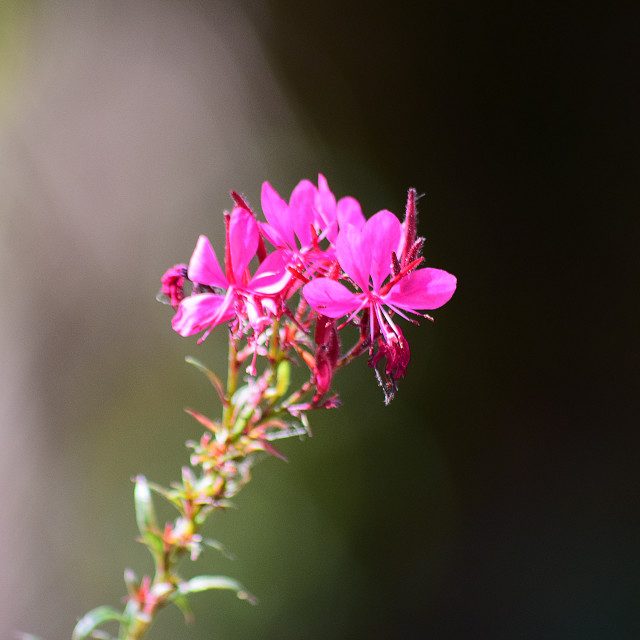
x: 349, y: 211
x: 272, y: 275
x: 330, y: 298
x: 354, y: 256
x: 326, y: 208
x: 201, y: 311
x: 272, y: 235
x: 302, y: 211
x: 243, y: 238
x: 382, y: 234
x: 422, y: 289
x: 276, y: 211
x: 204, y: 266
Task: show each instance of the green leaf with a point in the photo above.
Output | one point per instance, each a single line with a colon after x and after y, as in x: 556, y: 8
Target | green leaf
x: 155, y: 543
x: 218, y: 546
x: 145, y: 514
x: 171, y: 495
x: 182, y: 603
x: 205, y: 583
x: 94, y: 619
x: 26, y: 636
x: 102, y: 635
x: 212, y: 425
x: 213, y: 379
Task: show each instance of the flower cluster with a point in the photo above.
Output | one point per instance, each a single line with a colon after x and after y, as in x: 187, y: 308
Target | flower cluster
x: 287, y: 289
x: 347, y: 270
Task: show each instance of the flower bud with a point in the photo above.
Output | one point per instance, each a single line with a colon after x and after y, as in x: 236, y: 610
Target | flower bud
x: 173, y: 284
x: 327, y: 353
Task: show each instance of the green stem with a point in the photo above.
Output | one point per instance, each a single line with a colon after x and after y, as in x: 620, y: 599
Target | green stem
x: 232, y: 384
x: 139, y: 629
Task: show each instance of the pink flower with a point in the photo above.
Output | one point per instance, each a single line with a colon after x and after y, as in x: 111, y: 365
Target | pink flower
x: 365, y: 255
x: 331, y: 215
x: 288, y: 222
x: 250, y: 298
x: 311, y: 216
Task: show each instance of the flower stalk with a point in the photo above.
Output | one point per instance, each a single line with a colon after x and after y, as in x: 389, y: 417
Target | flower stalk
x: 328, y: 267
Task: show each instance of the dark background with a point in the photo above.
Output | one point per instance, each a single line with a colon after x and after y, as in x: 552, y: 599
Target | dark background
x: 497, y: 496
x: 518, y: 122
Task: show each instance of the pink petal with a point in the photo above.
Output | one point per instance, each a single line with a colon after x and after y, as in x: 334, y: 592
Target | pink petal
x: 302, y: 211
x: 350, y: 212
x: 354, y: 256
x: 243, y: 238
x: 422, y: 289
x: 330, y: 298
x: 272, y: 235
x: 276, y: 211
x: 202, y: 311
x: 326, y: 204
x: 382, y: 233
x: 204, y: 266
x: 272, y: 275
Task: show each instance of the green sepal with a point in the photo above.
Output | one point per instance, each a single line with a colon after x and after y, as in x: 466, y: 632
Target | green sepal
x: 213, y: 379
x: 94, y: 619
x: 205, y: 583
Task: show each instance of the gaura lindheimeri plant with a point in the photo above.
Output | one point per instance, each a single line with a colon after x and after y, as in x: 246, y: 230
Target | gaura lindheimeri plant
x: 283, y: 291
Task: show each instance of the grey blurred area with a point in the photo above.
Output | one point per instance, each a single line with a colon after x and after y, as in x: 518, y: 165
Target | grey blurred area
x: 122, y: 128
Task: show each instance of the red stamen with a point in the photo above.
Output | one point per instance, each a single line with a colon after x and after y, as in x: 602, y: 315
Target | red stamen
x: 408, y: 269
x: 334, y: 271
x: 293, y: 271
x: 314, y: 236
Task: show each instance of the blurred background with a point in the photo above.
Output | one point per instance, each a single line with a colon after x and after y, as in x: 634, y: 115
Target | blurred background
x: 497, y: 496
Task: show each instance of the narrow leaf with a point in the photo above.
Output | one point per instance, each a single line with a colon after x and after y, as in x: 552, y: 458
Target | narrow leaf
x: 102, y: 635
x: 167, y: 494
x: 145, y: 514
x: 213, y: 379
x: 182, y: 603
x: 218, y: 546
x: 205, y: 583
x: 154, y: 541
x: 212, y: 425
x: 94, y: 619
